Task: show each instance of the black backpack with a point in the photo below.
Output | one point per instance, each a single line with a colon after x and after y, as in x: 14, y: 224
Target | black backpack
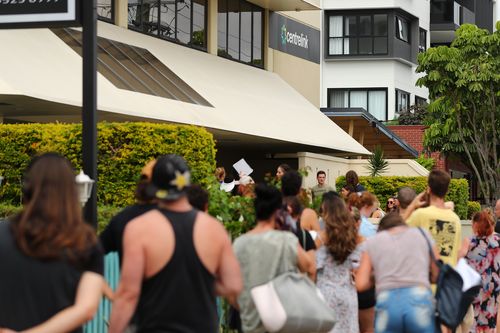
x: 451, y: 302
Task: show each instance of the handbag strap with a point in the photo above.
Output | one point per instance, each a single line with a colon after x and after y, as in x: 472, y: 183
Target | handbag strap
x: 303, y: 239
x: 431, y: 252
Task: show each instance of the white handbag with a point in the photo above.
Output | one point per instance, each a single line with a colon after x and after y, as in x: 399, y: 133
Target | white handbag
x: 291, y: 303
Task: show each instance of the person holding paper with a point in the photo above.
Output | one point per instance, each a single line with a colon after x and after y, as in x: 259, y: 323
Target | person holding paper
x: 484, y: 256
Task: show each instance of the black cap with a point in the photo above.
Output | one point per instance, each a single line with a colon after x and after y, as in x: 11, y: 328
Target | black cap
x: 170, y: 178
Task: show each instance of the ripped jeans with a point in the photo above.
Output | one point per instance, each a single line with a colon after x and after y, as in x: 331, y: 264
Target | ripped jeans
x: 408, y: 310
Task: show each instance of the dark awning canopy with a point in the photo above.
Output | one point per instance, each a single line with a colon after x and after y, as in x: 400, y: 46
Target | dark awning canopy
x: 370, y: 132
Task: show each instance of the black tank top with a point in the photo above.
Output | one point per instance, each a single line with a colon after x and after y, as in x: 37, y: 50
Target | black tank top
x: 179, y: 298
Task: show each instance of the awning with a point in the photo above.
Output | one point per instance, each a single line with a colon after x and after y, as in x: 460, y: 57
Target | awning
x: 40, y: 80
x: 287, y: 5
x: 370, y: 132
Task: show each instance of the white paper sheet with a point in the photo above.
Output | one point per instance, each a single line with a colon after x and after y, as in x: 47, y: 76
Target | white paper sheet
x: 469, y: 276
x: 242, y: 167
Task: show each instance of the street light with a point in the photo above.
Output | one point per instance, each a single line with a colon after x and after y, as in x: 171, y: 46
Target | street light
x: 84, y: 184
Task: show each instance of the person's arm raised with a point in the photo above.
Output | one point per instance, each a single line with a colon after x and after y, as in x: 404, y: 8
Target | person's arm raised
x: 129, y: 288
x: 419, y: 201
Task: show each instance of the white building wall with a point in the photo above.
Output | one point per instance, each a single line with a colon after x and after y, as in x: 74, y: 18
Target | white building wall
x: 335, y: 167
x: 380, y: 73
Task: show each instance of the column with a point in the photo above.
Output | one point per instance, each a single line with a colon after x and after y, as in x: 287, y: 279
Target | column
x: 268, y: 52
x: 212, y: 26
x: 121, y: 13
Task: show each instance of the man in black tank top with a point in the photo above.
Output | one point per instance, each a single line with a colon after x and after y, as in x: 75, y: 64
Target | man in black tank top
x: 176, y: 260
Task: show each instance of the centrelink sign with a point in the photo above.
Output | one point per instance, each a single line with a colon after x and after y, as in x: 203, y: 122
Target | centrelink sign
x: 39, y: 13
x: 294, y: 38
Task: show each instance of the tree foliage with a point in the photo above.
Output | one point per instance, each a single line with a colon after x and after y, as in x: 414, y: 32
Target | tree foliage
x: 426, y: 162
x: 415, y: 115
x: 464, y: 114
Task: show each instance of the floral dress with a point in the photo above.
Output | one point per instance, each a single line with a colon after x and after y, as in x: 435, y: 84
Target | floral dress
x: 484, y: 257
x: 335, y: 282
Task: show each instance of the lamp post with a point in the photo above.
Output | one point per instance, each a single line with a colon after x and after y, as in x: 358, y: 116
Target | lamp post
x: 84, y: 184
x: 89, y: 103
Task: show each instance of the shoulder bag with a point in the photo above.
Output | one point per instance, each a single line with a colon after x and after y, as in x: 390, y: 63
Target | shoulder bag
x: 452, y: 302
x: 291, y: 303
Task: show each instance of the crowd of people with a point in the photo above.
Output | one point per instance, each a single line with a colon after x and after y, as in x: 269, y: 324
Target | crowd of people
x: 372, y: 265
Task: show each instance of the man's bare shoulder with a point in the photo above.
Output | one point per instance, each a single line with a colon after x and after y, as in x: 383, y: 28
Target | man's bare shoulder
x: 138, y: 224
x: 208, y: 221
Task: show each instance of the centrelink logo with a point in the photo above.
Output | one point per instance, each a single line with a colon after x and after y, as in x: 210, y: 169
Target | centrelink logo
x: 283, y: 34
x: 293, y: 38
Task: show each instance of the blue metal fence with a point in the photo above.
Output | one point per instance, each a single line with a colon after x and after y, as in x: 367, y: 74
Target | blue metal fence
x: 112, y: 275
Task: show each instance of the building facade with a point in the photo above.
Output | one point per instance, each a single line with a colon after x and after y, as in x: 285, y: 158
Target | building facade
x: 206, y: 63
x: 369, y: 55
x: 237, y: 30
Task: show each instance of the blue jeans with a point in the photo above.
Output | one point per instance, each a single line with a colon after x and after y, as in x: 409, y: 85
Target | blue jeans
x: 408, y: 310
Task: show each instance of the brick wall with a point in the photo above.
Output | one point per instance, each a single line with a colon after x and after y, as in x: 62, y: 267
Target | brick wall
x: 413, y: 135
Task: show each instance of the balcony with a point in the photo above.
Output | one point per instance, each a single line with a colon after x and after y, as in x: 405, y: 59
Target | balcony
x: 447, y: 16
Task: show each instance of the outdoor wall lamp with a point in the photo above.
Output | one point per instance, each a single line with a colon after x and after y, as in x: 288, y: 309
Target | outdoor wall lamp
x: 84, y: 184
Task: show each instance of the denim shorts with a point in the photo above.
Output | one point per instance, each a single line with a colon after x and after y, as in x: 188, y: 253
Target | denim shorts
x: 408, y: 310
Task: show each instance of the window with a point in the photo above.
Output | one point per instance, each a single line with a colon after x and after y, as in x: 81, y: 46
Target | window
x: 402, y: 29
x: 372, y: 100
x: 420, y: 101
x: 422, y: 40
x: 240, y: 32
x: 105, y: 10
x: 402, y: 101
x: 180, y: 21
x: 357, y: 34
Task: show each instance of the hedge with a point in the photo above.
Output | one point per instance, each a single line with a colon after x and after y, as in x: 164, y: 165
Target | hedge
x: 104, y: 214
x: 123, y: 149
x: 385, y: 187
x: 473, y: 207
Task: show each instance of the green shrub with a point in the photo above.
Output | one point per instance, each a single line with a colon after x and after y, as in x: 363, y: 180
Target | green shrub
x: 123, y: 149
x: 235, y: 212
x: 104, y: 214
x: 472, y: 208
x: 7, y: 211
x: 377, y: 164
x: 385, y: 187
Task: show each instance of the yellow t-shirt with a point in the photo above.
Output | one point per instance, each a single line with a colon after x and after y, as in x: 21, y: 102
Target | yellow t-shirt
x: 444, y: 226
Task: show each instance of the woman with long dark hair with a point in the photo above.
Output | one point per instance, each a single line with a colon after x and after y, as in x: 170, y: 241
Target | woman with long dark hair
x: 335, y: 262
x: 51, y: 265
x: 264, y: 253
